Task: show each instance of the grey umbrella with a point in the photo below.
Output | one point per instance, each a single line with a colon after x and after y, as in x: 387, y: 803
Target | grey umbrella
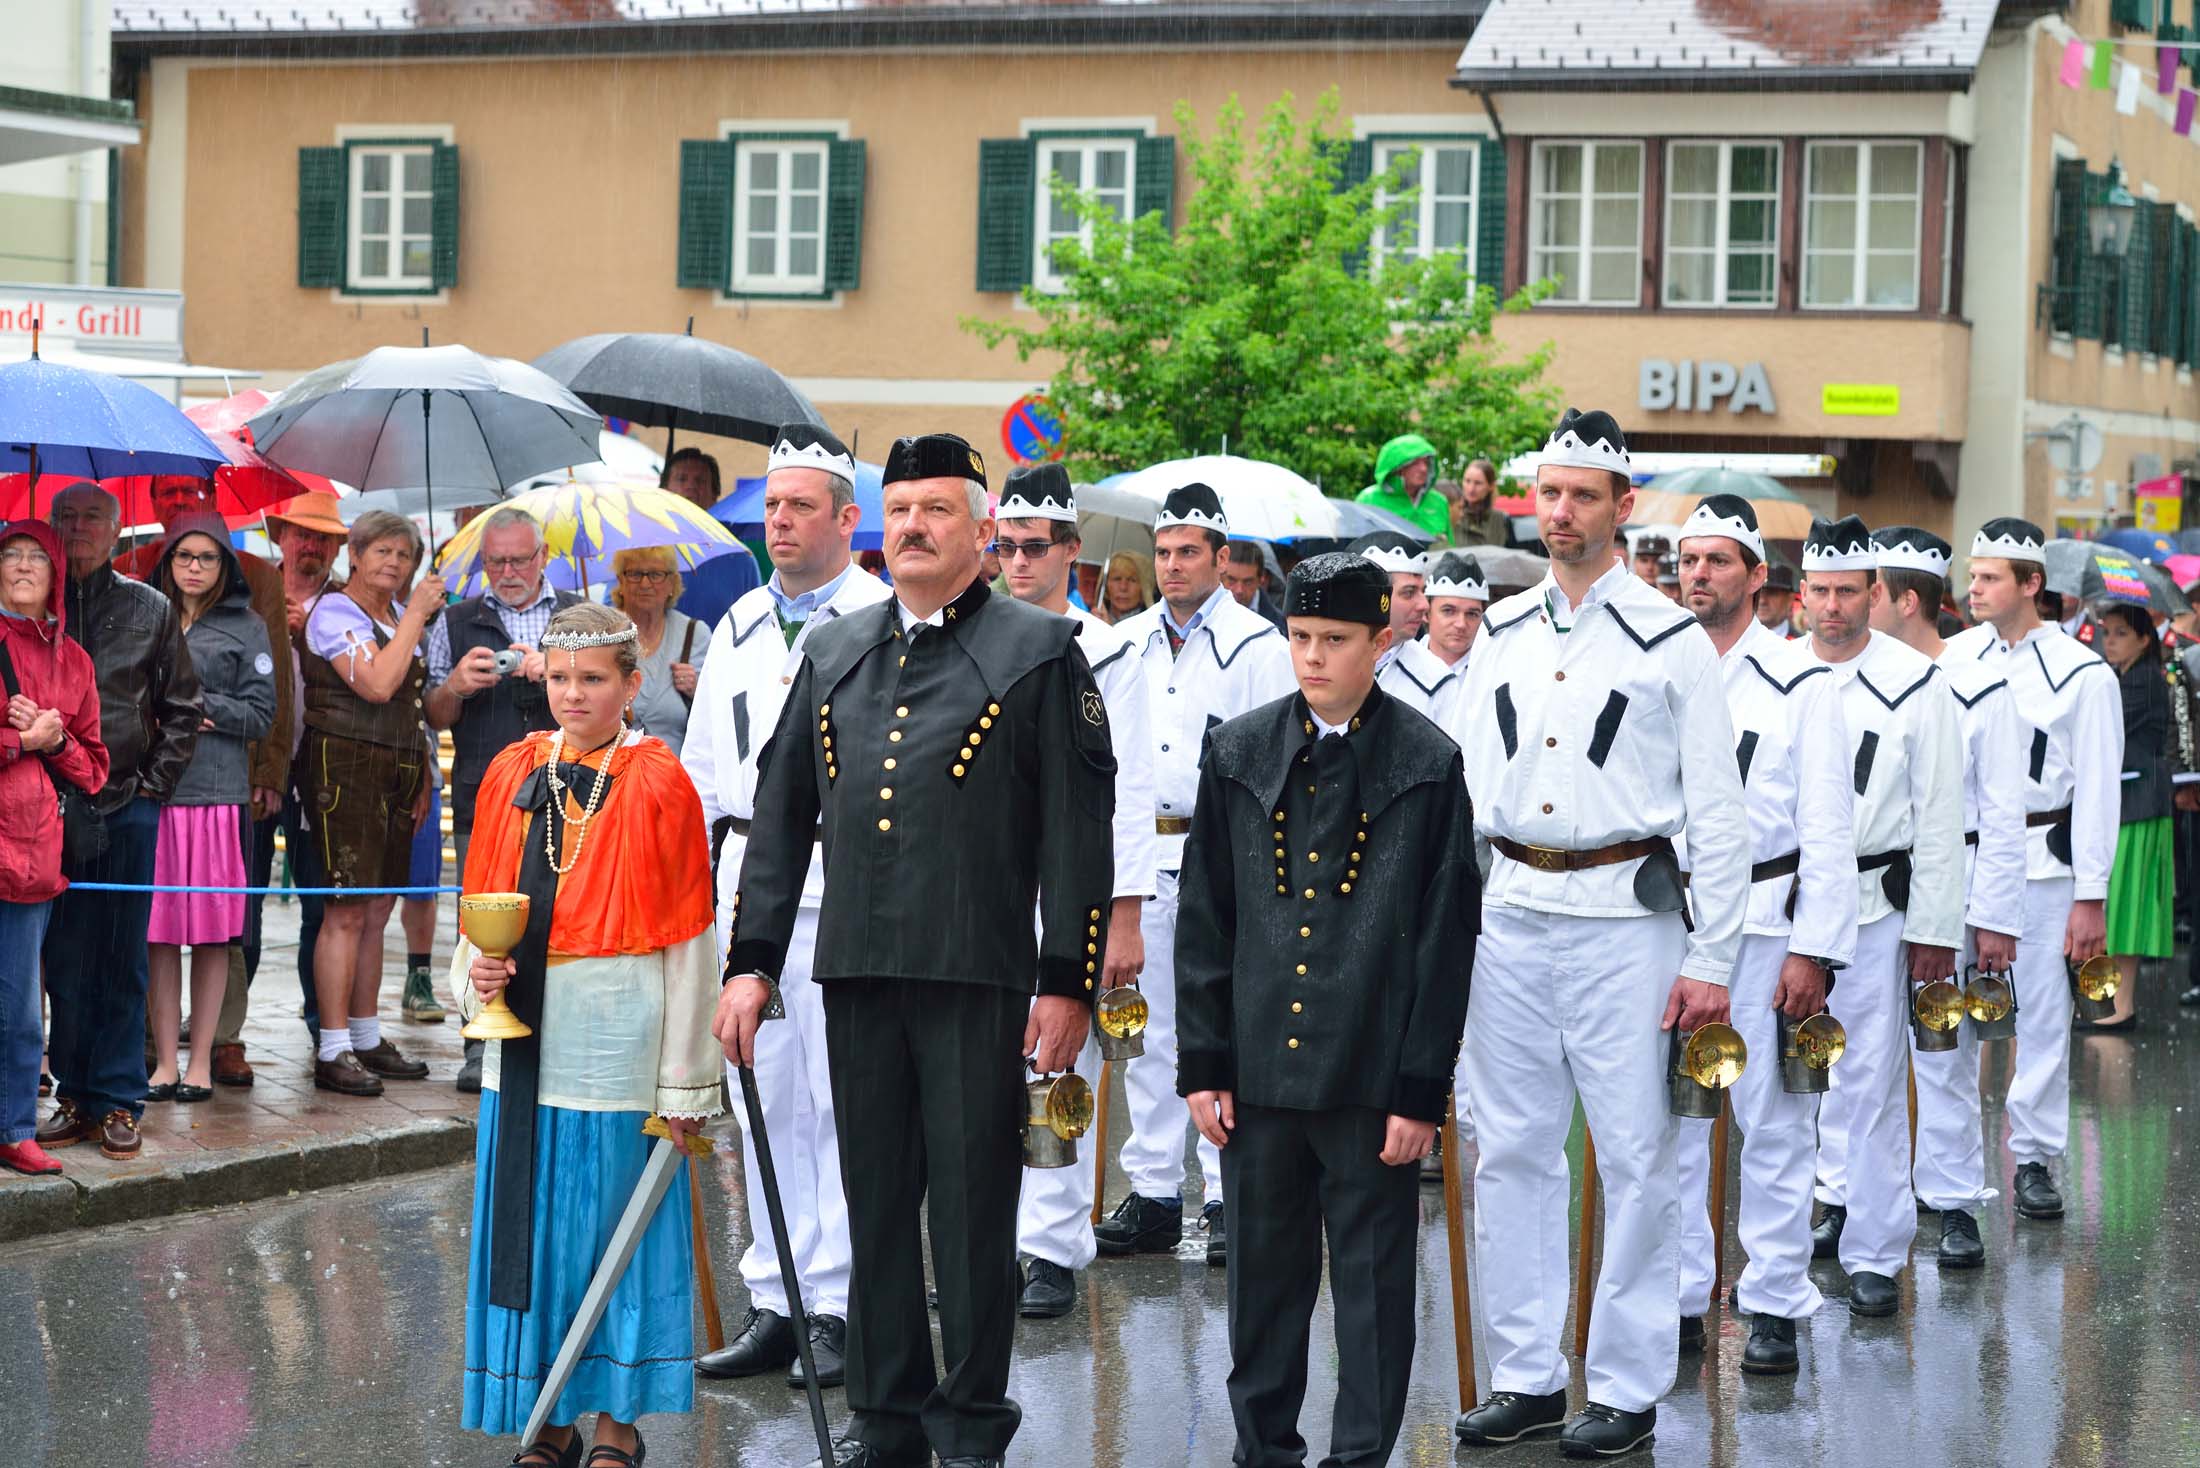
x: 677, y: 380
x: 406, y: 418
x: 2095, y: 572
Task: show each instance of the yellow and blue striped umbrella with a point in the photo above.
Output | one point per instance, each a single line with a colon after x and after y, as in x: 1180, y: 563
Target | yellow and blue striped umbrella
x: 584, y: 525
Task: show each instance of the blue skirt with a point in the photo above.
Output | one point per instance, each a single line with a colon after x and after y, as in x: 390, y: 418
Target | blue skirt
x: 641, y: 1358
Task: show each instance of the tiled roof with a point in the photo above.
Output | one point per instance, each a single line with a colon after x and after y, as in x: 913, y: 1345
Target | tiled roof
x: 1593, y: 44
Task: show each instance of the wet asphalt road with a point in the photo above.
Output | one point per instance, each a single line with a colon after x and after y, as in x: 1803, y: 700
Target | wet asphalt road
x: 325, y: 1330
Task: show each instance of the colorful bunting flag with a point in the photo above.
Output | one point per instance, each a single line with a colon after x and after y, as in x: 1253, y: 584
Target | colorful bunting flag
x: 2076, y: 61
x: 2166, y: 61
x: 2127, y: 89
x: 2104, y: 60
x: 2186, y: 99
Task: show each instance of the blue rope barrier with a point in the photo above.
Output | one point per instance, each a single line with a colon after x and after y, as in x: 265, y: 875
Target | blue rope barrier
x: 265, y: 891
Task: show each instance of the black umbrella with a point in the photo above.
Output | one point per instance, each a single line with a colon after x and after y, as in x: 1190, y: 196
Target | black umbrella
x: 2094, y: 572
x: 677, y: 380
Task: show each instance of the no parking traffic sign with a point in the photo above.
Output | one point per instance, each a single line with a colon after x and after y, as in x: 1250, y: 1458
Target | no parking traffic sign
x: 1030, y: 431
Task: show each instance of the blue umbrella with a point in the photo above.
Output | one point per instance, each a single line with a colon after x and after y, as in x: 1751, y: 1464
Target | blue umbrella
x: 62, y: 421
x: 2145, y: 544
x: 744, y: 508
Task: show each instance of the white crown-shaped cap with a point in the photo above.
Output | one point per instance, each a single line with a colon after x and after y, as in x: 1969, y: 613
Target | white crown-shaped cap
x: 1193, y: 504
x: 1704, y: 520
x: 1903, y: 552
x: 1842, y: 545
x: 787, y: 454
x: 1457, y: 574
x: 2008, y: 539
x: 1038, y: 492
x: 1014, y: 506
x: 1394, y: 560
x: 1588, y: 441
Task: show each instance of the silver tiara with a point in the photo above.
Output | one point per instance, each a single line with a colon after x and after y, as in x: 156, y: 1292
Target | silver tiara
x: 575, y: 641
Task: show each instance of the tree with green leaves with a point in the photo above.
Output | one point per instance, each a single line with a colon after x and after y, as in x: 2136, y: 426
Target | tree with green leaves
x: 1260, y: 325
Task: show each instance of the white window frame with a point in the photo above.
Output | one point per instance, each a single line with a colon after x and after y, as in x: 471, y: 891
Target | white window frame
x: 779, y: 281
x: 1948, y: 228
x: 1860, y: 248
x: 355, y: 235
x: 1386, y: 152
x: 1721, y: 246
x: 1587, y: 249
x: 1088, y: 150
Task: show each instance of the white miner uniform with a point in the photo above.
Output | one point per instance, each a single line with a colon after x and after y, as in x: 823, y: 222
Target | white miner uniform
x: 1416, y: 676
x: 1233, y: 661
x: 1054, y: 1212
x: 2072, y: 708
x: 1907, y: 772
x: 1791, y: 746
x: 1615, y: 730
x: 737, y: 706
x: 1949, y: 1168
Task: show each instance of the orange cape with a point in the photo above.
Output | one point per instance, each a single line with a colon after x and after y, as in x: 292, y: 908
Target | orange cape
x: 643, y: 879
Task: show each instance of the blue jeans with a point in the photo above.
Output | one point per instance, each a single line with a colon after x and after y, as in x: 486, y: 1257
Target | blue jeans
x: 95, y: 972
x: 22, y: 1037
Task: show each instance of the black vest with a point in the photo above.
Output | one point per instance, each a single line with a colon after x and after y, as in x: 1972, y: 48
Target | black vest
x: 500, y: 714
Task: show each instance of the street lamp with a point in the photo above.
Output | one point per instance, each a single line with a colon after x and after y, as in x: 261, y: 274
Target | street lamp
x: 2108, y: 219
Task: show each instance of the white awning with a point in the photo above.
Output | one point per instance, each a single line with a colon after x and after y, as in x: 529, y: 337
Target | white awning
x: 54, y: 124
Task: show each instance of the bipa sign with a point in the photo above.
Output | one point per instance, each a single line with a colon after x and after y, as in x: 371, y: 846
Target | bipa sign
x: 1663, y: 386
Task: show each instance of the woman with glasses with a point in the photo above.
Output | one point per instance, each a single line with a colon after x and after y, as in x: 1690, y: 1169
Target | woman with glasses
x: 198, y: 843
x: 672, y: 643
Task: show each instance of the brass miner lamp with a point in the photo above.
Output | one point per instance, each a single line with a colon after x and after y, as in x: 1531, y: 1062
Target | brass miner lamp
x: 1991, y: 1002
x: 1705, y: 1062
x: 1057, y: 1111
x: 1120, y: 1014
x: 2093, y: 986
x: 1808, y: 1049
x: 494, y: 922
x: 1936, y: 1013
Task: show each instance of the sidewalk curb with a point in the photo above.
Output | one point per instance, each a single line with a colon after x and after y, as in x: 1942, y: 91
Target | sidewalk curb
x: 30, y: 1207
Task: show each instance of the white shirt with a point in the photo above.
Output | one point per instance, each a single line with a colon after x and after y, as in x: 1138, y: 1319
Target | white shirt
x: 1613, y: 731
x: 1122, y: 684
x: 1421, y: 680
x: 1233, y: 661
x: 1993, y: 791
x: 1907, y: 772
x: 2069, y: 699
x: 739, y: 691
x: 911, y: 623
x: 1792, y: 747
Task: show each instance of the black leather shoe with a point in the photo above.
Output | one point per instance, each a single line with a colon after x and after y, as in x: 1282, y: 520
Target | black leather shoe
x: 392, y: 1064
x: 828, y: 1352
x: 848, y: 1453
x: 972, y: 1462
x: 1598, y: 1431
x: 2191, y: 996
x: 1960, y: 1247
x: 1048, y: 1291
x: 1771, y: 1348
x: 469, y: 1073
x: 1507, y: 1417
x: 1691, y: 1333
x: 1218, y: 1239
x: 2036, y: 1194
x: 1825, y: 1239
x: 765, y: 1343
x: 1873, y: 1294
x: 1142, y: 1225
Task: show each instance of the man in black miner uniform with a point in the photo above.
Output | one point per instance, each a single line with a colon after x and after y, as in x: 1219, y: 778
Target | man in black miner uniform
x: 955, y: 751
x: 1320, y: 1002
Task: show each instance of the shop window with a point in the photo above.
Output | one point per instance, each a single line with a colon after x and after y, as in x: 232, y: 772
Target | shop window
x: 1020, y: 220
x: 1722, y: 224
x: 1586, y: 222
x: 1861, y: 217
x: 379, y: 217
x: 772, y: 214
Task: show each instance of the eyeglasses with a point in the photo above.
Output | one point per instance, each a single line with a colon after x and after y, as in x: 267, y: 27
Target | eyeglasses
x: 24, y: 555
x: 510, y: 563
x: 198, y: 560
x: 1009, y: 550
x: 648, y: 578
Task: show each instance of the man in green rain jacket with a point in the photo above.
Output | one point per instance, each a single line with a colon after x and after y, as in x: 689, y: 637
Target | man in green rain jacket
x: 1405, y: 473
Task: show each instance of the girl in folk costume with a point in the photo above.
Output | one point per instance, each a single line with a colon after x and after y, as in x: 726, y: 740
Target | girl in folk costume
x: 599, y: 826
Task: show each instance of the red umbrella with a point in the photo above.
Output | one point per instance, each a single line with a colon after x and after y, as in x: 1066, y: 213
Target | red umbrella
x: 232, y: 413
x: 243, y: 489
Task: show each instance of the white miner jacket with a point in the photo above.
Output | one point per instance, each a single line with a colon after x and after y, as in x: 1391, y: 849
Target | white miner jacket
x: 1418, y: 678
x: 1993, y: 790
x: 2073, y: 713
x: 1122, y: 682
x: 1907, y: 772
x: 1615, y: 730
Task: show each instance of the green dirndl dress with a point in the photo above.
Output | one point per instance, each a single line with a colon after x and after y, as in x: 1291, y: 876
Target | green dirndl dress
x: 2142, y: 890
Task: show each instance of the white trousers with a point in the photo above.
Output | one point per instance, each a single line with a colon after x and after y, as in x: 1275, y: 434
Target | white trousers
x: 1864, y: 1121
x: 1779, y: 1146
x: 2039, y: 1094
x: 796, y: 1089
x: 1054, y: 1210
x: 1949, y: 1168
x: 1564, y: 1006
x: 1153, y: 1154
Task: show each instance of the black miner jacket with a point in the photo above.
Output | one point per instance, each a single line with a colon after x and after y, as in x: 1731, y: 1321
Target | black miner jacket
x: 958, y: 775
x: 1326, y: 925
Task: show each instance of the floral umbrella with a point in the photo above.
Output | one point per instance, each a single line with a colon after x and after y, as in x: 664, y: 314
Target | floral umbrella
x: 585, y: 524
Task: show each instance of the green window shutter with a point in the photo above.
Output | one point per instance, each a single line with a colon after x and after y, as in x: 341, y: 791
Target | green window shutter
x: 443, y: 216
x: 844, y: 216
x: 2066, y: 248
x: 2090, y: 312
x: 2137, y: 14
x: 1359, y: 167
x: 1154, y: 191
x: 1007, y: 176
x: 321, y: 187
x: 2161, y: 285
x: 1489, y: 229
x: 706, y: 215
x: 2137, y: 280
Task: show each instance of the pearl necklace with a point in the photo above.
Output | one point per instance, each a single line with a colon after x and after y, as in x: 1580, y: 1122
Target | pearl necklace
x: 576, y: 827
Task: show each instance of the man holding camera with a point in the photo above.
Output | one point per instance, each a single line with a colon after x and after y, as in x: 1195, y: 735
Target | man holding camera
x: 485, y: 674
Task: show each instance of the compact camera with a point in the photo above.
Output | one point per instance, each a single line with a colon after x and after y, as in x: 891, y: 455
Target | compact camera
x: 508, y: 663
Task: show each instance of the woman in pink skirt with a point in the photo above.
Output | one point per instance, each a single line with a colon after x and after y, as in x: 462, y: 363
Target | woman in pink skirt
x: 198, y: 845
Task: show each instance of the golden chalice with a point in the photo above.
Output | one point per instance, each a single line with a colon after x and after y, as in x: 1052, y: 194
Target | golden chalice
x: 494, y: 922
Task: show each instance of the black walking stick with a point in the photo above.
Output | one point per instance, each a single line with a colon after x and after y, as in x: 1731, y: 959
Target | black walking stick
x: 798, y: 1317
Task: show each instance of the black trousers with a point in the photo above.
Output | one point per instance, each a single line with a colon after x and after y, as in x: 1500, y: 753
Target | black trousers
x: 929, y: 1099
x: 1287, y: 1176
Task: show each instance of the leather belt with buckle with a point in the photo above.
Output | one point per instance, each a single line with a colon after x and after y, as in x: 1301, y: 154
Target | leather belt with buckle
x: 2053, y: 817
x: 1558, y: 859
x: 1172, y: 825
x: 1779, y: 866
